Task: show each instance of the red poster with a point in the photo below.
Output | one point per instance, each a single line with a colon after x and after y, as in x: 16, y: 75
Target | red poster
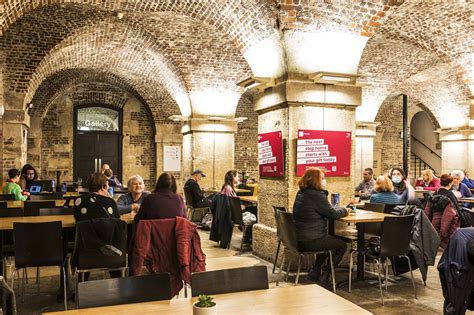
x: 270, y: 154
x: 329, y: 150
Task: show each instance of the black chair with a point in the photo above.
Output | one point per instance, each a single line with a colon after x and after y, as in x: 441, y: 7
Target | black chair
x: 389, y: 208
x: 375, y: 207
x: 277, y: 223
x: 229, y: 280
x: 236, y: 209
x: 395, y: 242
x: 290, y: 243
x: 7, y: 197
x: 56, y: 211
x: 374, y: 228
x: 51, y: 196
x: 191, y: 210
x: 137, y: 289
x: 6, y: 212
x: 31, y: 208
x: 39, y: 245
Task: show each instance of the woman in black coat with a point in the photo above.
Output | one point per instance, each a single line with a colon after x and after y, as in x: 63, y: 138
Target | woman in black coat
x: 311, y: 211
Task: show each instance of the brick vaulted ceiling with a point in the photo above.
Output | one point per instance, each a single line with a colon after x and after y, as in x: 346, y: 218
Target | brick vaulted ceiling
x: 163, y: 51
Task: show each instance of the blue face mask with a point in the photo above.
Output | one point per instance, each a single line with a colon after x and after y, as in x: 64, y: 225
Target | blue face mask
x: 396, y: 179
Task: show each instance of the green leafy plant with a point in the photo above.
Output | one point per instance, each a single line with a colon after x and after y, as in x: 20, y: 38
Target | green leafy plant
x: 205, y: 301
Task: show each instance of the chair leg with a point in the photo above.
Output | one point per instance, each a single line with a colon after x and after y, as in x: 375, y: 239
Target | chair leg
x: 13, y: 279
x: 76, y: 297
x: 243, y: 237
x: 380, y: 278
x: 64, y: 286
x: 288, y: 269
x: 185, y: 290
x: 298, y: 270
x: 38, y: 279
x: 351, y: 265
x: 275, y: 261
x: 333, y: 275
x: 281, y: 267
x: 412, y: 279
x: 386, y: 274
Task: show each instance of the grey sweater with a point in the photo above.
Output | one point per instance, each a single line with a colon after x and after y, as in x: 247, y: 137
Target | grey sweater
x: 124, y: 203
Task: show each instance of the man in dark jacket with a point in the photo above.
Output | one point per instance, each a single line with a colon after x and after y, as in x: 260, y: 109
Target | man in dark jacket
x: 192, y: 189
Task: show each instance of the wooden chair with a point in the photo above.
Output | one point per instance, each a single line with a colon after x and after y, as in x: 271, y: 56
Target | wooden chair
x: 277, y: 223
x: 31, y: 208
x: 56, y: 211
x: 7, y: 197
x: 229, y: 280
x: 191, y: 210
x: 137, y: 289
x: 235, y: 207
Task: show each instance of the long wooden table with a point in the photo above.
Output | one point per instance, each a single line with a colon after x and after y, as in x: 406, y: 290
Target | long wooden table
x: 469, y: 200
x: 19, y: 204
x: 302, y: 299
x: 252, y: 199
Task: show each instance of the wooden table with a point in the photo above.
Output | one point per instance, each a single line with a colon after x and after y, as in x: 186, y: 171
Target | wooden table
x: 240, y: 190
x: 360, y: 218
x: 423, y: 191
x: 252, y: 199
x: 19, y: 204
x: 469, y: 200
x: 302, y: 299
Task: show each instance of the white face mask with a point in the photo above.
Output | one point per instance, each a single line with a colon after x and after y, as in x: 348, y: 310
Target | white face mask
x: 396, y: 179
x: 324, y: 184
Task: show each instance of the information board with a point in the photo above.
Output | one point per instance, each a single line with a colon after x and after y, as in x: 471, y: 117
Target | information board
x: 328, y: 150
x: 171, y: 158
x: 270, y: 154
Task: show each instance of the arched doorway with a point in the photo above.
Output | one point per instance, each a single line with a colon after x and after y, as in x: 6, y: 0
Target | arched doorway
x: 97, y: 139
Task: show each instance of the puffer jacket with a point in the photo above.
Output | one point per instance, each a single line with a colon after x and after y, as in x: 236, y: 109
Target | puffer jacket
x: 445, y: 220
x: 311, y: 211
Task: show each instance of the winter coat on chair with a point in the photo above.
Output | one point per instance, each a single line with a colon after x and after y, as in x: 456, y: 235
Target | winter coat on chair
x: 424, y: 239
x: 168, y: 245
x: 222, y: 224
x: 444, y: 217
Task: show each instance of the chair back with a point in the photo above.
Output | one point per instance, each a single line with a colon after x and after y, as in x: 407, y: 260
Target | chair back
x: 389, y: 208
x: 229, y: 280
x: 396, y: 235
x: 6, y: 212
x: 31, y: 208
x: 52, y: 196
x: 38, y: 244
x: 288, y: 231
x: 7, y: 197
x: 137, y: 289
x: 188, y: 198
x: 375, y: 207
x: 276, y: 209
x: 236, y: 210
x: 56, y: 211
x: 91, y: 235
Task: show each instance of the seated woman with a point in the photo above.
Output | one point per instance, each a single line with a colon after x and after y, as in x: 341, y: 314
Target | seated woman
x: 230, y: 179
x: 383, y: 192
x: 28, y: 174
x: 163, y: 202
x: 428, y: 181
x: 443, y: 211
x: 458, y: 186
x: 401, y: 186
x: 311, y: 211
x: 131, y: 201
x: 11, y: 186
x: 96, y: 203
x: 112, y: 179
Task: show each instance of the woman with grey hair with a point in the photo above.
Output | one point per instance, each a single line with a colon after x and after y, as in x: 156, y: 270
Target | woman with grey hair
x: 131, y: 201
x: 463, y: 190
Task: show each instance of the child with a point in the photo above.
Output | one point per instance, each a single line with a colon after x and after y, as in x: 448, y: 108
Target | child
x: 12, y: 187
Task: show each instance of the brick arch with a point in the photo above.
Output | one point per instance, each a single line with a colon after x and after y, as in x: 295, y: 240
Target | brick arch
x: 97, y: 93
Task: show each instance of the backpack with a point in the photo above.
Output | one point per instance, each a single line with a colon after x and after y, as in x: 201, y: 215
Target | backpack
x: 465, y: 216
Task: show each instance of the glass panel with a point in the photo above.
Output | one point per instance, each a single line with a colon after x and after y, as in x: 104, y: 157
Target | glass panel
x: 97, y: 119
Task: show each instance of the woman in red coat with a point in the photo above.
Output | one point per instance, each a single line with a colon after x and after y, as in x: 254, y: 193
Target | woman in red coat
x: 428, y: 181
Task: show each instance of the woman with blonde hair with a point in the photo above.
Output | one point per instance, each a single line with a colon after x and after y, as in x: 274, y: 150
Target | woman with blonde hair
x: 383, y: 192
x: 428, y: 181
x: 311, y: 211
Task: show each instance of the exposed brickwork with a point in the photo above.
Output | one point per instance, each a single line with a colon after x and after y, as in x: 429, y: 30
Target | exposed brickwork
x: 246, y: 151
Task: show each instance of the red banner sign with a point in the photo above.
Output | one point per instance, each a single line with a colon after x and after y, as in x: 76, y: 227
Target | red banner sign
x: 329, y: 150
x: 270, y: 154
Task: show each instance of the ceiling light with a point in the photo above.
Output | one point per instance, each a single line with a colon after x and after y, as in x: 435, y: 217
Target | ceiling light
x: 240, y: 119
x: 177, y: 118
x: 216, y: 118
x: 260, y: 83
x: 334, y: 78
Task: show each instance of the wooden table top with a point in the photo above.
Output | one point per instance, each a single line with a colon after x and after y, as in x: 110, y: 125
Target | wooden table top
x: 470, y: 200
x: 423, y: 191
x: 19, y: 204
x: 67, y: 220
x: 240, y: 190
x: 253, y: 199
x: 363, y: 216
x: 302, y: 299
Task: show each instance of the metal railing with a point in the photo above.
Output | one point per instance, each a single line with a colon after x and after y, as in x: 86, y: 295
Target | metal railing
x: 419, y: 165
x: 430, y: 149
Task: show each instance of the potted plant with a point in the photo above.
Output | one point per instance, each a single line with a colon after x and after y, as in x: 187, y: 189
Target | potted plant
x: 205, y: 306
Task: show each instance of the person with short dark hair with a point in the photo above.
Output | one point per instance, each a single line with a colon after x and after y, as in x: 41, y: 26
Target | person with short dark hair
x: 401, y: 186
x: 230, y: 179
x: 111, y: 178
x: 96, y: 203
x: 311, y: 210
x: 366, y: 186
x: 191, y: 187
x: 28, y: 174
x: 164, y: 202
x: 11, y: 185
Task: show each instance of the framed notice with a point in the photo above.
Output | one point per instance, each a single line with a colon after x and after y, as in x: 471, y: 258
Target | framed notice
x: 328, y: 150
x: 171, y: 158
x: 270, y: 154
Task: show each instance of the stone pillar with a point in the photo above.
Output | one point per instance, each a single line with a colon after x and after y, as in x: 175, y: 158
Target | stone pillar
x: 298, y: 103
x: 208, y: 145
x: 364, y: 148
x: 457, y: 149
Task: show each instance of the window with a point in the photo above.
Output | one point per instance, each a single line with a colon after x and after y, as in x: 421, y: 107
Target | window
x: 97, y: 119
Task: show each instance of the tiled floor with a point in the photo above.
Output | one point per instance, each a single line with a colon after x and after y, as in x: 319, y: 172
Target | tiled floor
x: 399, y: 298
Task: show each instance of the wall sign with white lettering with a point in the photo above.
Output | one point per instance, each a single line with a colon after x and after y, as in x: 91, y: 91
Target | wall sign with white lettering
x: 97, y: 119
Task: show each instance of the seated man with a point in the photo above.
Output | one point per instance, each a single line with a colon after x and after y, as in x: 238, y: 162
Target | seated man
x: 112, y: 179
x: 366, y: 186
x: 12, y: 187
x: 191, y: 187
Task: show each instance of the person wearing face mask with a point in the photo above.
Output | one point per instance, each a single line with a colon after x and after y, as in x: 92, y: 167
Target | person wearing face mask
x: 311, y: 210
x: 131, y: 201
x: 383, y: 192
x: 401, y: 186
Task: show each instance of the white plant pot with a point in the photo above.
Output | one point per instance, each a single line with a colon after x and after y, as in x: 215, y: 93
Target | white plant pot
x: 204, y: 310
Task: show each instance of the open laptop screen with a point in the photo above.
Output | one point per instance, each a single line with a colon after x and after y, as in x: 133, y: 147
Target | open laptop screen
x: 35, y: 189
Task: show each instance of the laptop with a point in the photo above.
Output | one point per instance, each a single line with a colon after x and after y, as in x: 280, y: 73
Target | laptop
x: 35, y: 189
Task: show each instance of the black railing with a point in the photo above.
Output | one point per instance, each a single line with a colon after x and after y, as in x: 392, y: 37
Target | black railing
x: 430, y: 149
x: 419, y: 165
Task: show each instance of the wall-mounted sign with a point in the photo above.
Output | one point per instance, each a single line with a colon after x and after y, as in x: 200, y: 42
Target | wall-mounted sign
x: 270, y: 154
x: 329, y: 150
x: 171, y: 158
x: 97, y: 119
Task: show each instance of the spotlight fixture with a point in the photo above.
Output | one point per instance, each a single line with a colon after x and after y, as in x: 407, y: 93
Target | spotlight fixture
x: 178, y: 118
x: 334, y: 78
x: 119, y: 15
x: 240, y: 119
x: 29, y: 105
x: 256, y: 83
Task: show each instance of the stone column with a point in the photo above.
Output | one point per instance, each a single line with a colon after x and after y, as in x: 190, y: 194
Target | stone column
x: 457, y: 149
x: 298, y: 103
x: 208, y: 145
x: 364, y: 148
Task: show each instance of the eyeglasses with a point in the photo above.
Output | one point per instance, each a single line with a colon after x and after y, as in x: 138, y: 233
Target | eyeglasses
x: 30, y: 173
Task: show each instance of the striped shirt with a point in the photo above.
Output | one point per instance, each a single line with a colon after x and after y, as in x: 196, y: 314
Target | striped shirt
x: 385, y: 197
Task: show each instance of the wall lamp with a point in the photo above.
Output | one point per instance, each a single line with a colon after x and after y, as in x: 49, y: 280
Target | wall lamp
x: 178, y: 118
x: 257, y: 83
x: 333, y: 78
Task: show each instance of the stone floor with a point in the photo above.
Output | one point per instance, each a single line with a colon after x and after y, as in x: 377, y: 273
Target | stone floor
x: 399, y: 298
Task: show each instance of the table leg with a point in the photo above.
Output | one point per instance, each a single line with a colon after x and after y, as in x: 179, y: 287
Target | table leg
x: 360, y: 246
x: 1, y: 254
